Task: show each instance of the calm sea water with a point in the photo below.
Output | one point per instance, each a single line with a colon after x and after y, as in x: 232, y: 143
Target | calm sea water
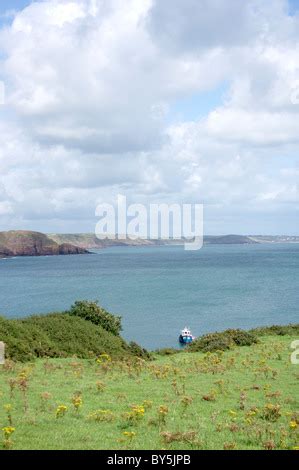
x: 159, y: 290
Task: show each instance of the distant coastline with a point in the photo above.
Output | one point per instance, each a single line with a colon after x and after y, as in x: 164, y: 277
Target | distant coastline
x: 29, y: 243
x: 90, y: 241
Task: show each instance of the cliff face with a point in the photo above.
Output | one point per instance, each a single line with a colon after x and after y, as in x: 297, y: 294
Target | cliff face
x: 26, y: 243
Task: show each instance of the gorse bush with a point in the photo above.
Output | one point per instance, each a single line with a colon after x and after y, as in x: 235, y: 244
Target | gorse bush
x: 210, y: 343
x: 279, y: 330
x: 223, y: 341
x: 228, y: 339
x: 57, y: 335
x: 65, y: 335
x: 241, y: 337
x: 97, y: 315
x: 138, y: 351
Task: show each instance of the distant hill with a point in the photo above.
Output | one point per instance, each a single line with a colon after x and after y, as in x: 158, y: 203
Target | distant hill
x: 229, y: 240
x: 27, y: 243
x: 89, y: 240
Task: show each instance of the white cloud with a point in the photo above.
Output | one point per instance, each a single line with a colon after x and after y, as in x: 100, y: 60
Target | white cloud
x: 89, y: 85
x: 201, y: 24
x: 262, y: 128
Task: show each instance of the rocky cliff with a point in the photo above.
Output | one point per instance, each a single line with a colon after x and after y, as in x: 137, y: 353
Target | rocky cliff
x: 26, y: 243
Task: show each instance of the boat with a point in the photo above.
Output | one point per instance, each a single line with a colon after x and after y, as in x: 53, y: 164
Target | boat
x: 186, y: 336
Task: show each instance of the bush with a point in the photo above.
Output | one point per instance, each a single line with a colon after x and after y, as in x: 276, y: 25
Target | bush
x: 222, y: 341
x: 230, y: 338
x: 241, y: 337
x: 97, y: 315
x: 56, y: 335
x: 138, y: 351
x: 61, y: 335
x: 210, y: 343
x: 276, y: 330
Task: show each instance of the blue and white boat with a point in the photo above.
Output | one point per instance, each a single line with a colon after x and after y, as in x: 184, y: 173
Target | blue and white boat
x: 186, y: 336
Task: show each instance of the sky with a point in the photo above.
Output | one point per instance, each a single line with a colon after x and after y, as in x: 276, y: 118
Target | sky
x: 158, y: 100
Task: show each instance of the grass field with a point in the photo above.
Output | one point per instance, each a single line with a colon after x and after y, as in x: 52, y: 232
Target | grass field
x: 246, y: 398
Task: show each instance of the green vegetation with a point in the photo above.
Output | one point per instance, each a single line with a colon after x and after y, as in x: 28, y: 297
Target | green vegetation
x: 243, y: 398
x: 58, y: 335
x: 229, y: 339
x: 71, y: 382
x: 86, y: 330
x: 91, y: 311
x: 280, y: 330
x: 66, y: 334
x: 223, y: 341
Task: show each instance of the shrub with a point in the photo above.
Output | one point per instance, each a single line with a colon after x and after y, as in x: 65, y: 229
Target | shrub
x: 279, y: 330
x: 241, y: 337
x: 59, y: 335
x: 210, y: 343
x: 230, y: 338
x: 138, y: 351
x: 92, y: 312
x: 222, y: 341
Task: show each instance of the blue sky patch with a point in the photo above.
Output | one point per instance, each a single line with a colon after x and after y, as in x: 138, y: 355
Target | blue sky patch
x: 197, y: 105
x: 293, y: 7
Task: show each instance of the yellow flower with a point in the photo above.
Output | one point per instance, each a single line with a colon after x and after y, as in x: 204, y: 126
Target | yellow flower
x: 103, y: 358
x: 61, y: 410
x: 232, y: 413
x: 129, y: 434
x: 293, y: 424
x: 138, y: 410
x: 77, y: 402
x: 8, y: 430
x: 295, y: 448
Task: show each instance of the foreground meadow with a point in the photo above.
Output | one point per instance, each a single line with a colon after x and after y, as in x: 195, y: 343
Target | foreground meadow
x: 246, y: 398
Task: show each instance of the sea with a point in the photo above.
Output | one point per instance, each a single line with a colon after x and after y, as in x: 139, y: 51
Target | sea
x: 160, y: 290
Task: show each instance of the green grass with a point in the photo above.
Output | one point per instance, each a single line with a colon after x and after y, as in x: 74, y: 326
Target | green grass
x: 251, y: 400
